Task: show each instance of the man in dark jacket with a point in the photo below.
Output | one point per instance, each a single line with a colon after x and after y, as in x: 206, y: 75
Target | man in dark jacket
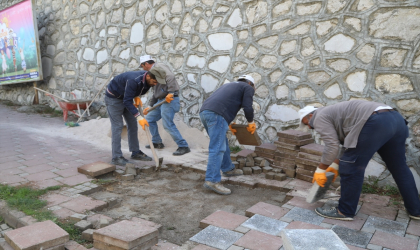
x: 217, y: 112
x: 363, y: 128
x: 119, y: 97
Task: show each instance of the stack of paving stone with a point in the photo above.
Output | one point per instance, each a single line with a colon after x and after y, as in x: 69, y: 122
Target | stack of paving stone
x: 251, y: 162
x: 308, y: 160
x: 288, y: 146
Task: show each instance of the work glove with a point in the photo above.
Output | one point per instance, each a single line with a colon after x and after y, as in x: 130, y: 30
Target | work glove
x: 137, y: 102
x: 146, y: 111
x: 320, y: 177
x: 334, y: 169
x: 169, y: 98
x: 251, y: 127
x: 232, y: 129
x: 142, y: 122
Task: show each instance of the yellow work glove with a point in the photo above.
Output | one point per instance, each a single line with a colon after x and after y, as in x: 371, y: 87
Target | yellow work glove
x: 232, y: 129
x: 320, y: 177
x: 137, y: 102
x: 251, y: 127
x: 334, y: 169
x: 169, y: 98
x: 146, y: 111
x: 142, y: 122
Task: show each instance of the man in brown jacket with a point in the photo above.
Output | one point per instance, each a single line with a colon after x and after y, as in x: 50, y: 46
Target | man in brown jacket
x: 167, y: 90
x: 363, y: 128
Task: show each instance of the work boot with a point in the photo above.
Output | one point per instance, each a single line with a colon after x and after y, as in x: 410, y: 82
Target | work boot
x: 157, y: 145
x: 182, y: 151
x: 414, y: 217
x: 139, y: 155
x: 217, y: 187
x: 120, y: 161
x: 331, y: 213
x: 233, y: 172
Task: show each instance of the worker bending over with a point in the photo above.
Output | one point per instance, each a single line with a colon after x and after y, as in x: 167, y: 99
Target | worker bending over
x: 363, y: 128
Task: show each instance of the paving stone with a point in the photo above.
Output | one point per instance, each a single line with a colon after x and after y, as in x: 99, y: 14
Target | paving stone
x: 302, y: 225
x: 317, y: 192
x: 4, y: 245
x: 44, y: 235
x: 410, y: 236
x: 280, y: 177
x: 312, y: 148
x: 414, y: 227
x: 326, y: 225
x: 146, y: 223
x: 99, y: 220
x: 242, y: 229
x: 265, y: 224
x: 393, y: 242
x: 63, y: 213
x: 96, y: 168
x: 233, y: 247
x: 375, y: 199
x: 352, y: 237
x: 161, y: 245
x: 267, y: 210
x: 26, y: 221
x: 125, y: 234
x: 78, y: 217
x: 83, y: 225
x: 256, y: 170
x: 356, y: 224
x: 389, y: 213
x: 294, y: 134
x: 269, y: 176
x: 216, y: 237
x: 73, y: 245
x: 223, y: 219
x: 385, y: 225
x: 259, y: 240
x: 4, y: 226
x: 244, y: 153
x: 203, y: 247
x: 88, y: 234
x: 127, y: 177
x: 105, y: 246
x: 305, y: 215
x: 247, y: 170
x: 83, y: 203
x: 302, y: 239
x: 267, y: 169
x: 373, y: 247
x: 285, y: 219
x: 353, y: 247
x: 301, y: 202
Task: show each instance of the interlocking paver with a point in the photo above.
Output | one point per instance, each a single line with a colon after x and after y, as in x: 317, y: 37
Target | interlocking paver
x: 11, y: 179
x: 83, y: 203
x: 41, y: 235
x: 63, y: 213
x: 165, y: 246
x: 302, y: 225
x: 301, y: 202
x: 41, y: 176
x: 203, y: 247
x: 375, y: 199
x: 259, y: 240
x: 385, y: 225
x: 379, y: 211
x: 302, y: 239
x: 414, y: 227
x: 216, y: 237
x: 265, y: 224
x: 75, y: 180
x: 393, y: 242
x: 305, y: 215
x: 356, y: 224
x: 267, y: 210
x: 67, y: 172
x: 223, y: 219
x: 352, y: 237
x: 37, y: 169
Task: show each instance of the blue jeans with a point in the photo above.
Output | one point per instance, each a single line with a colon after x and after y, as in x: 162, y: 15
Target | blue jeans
x: 384, y: 133
x: 219, y: 152
x: 116, y: 112
x: 166, y: 112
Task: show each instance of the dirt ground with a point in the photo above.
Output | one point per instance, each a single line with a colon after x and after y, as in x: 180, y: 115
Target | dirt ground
x: 178, y: 201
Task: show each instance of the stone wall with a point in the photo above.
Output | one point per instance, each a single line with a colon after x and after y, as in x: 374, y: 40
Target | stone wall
x: 299, y: 52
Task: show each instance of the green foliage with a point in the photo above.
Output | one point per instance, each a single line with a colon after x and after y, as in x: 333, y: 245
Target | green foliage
x: 235, y: 149
x: 372, y: 187
x: 75, y: 234
x: 102, y: 182
x: 1, y: 220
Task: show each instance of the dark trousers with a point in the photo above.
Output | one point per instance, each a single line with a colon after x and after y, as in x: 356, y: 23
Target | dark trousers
x: 384, y: 133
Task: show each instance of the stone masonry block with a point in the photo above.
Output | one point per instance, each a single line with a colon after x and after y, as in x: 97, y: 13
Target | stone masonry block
x: 257, y: 160
x: 244, y: 153
x: 267, y: 210
x: 223, y: 219
x: 127, y: 177
x: 249, y: 164
x: 290, y: 172
x: 233, y: 157
x: 304, y: 177
x: 44, y: 235
x: 83, y: 203
x: 247, y: 170
x: 297, y: 142
x: 256, y: 170
x: 250, y: 159
x: 77, y: 217
x: 307, y: 162
x: 312, y: 157
x: 306, y: 167
x: 125, y: 234
x: 105, y: 246
x: 288, y: 146
x: 88, y: 234
x: 267, y: 169
x: 269, y: 175
x: 26, y: 221
x: 280, y: 177
x: 304, y: 172
x: 313, y: 148
x: 83, y: 225
x: 96, y: 168
x: 294, y: 134
x: 299, y: 239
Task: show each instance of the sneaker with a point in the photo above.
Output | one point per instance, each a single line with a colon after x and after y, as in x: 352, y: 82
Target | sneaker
x: 156, y: 145
x: 140, y: 156
x: 234, y: 172
x: 217, y: 187
x: 417, y: 217
x: 331, y: 213
x: 182, y: 151
x: 120, y: 161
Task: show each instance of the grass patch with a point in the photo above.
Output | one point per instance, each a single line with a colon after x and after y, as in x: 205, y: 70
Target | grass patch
x: 75, y: 234
x: 103, y: 182
x: 7, y: 103
x: 235, y: 149
x: 372, y: 187
x: 1, y: 220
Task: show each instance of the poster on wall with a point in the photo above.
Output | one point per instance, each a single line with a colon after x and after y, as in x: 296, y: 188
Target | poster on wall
x: 19, y: 45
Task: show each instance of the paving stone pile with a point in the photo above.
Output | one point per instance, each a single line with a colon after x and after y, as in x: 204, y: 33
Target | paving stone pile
x: 307, y: 161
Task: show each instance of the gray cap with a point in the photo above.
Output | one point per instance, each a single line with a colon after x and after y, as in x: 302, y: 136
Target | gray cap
x: 159, y: 73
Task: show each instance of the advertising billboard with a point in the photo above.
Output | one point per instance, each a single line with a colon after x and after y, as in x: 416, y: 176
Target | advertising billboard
x: 20, y: 59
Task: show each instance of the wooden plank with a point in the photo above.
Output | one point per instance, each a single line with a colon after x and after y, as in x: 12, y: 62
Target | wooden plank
x: 246, y: 138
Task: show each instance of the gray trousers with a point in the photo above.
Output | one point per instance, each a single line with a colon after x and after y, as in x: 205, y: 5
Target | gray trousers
x: 116, y: 111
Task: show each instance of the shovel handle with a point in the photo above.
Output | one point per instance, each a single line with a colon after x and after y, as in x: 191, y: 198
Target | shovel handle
x: 157, y: 105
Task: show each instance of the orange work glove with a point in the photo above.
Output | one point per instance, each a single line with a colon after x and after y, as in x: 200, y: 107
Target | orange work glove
x: 137, y: 102
x: 320, y: 177
x: 334, y: 169
x: 232, y: 129
x: 169, y: 98
x: 251, y: 127
x: 146, y: 111
x: 142, y: 122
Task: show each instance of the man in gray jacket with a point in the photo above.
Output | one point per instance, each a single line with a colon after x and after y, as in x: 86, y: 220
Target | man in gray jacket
x: 167, y: 90
x: 363, y: 128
